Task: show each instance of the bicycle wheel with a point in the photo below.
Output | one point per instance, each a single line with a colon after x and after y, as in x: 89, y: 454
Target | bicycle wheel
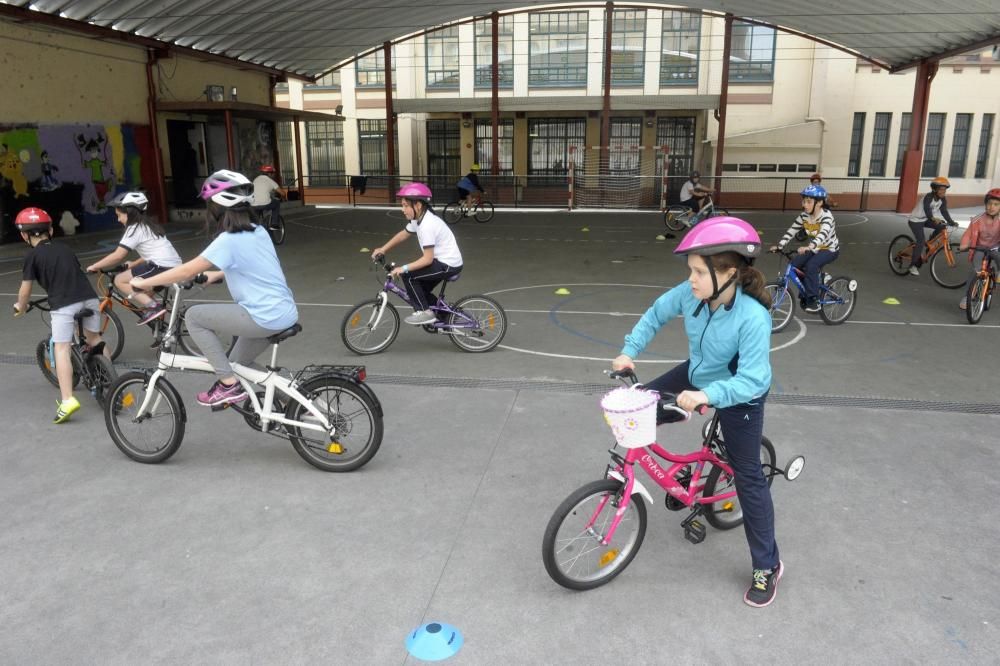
x: 277, y: 230
x: 112, y: 332
x: 46, y: 364
x: 484, y: 211
x: 362, y: 335
x: 159, y: 433
x: 489, y: 324
x: 674, y: 218
x: 782, y: 305
x: 719, y: 212
x: 452, y: 213
x: 572, y: 550
x: 190, y: 347
x: 838, y: 299
x: 949, y: 276
x: 356, y: 417
x: 900, y: 252
x: 975, y: 300
x: 727, y: 514
x: 102, y: 375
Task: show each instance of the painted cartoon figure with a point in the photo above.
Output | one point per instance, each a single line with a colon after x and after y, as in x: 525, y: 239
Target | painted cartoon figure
x: 12, y: 169
x: 93, y: 155
x: 49, y: 181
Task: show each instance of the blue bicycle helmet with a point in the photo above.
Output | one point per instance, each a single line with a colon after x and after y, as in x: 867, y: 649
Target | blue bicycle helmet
x: 814, y: 192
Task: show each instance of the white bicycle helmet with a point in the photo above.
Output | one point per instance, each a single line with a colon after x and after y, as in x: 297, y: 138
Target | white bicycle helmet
x: 125, y: 199
x: 227, y: 188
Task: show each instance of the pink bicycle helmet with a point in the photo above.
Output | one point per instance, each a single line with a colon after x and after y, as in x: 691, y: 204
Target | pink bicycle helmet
x: 721, y: 234
x: 227, y: 188
x: 417, y: 191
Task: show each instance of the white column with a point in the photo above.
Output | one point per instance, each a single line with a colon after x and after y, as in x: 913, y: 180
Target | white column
x: 407, y: 146
x: 466, y: 59
x: 409, y: 68
x: 654, y: 42
x: 349, y: 98
x: 595, y: 53
x: 522, y: 40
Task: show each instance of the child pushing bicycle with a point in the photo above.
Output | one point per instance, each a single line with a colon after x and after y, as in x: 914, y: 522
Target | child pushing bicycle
x: 820, y: 229
x: 56, y: 269
x: 983, y: 231
x: 725, y: 309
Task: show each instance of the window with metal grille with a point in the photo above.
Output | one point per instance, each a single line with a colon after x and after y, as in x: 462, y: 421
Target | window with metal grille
x: 286, y: 152
x: 677, y: 134
x: 623, y: 153
x: 371, y: 146
x: 331, y: 80
x: 325, y: 152
x: 505, y: 53
x: 752, y: 54
x: 444, y: 154
x: 679, y: 49
x: 904, y: 142
x: 985, y: 139
x: 505, y: 144
x: 628, y: 47
x: 857, y: 134
x: 441, y: 58
x: 549, y: 141
x: 960, y: 145
x: 558, y: 49
x: 880, y: 144
x: 932, y: 145
x: 370, y: 70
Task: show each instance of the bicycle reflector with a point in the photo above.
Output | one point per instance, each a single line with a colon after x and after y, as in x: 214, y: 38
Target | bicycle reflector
x: 608, y: 557
x: 335, y: 447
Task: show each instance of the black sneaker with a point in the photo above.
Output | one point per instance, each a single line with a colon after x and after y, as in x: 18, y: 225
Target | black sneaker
x: 764, y: 588
x: 813, y: 306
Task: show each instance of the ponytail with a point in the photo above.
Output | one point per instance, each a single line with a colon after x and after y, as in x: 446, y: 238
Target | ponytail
x: 750, y: 279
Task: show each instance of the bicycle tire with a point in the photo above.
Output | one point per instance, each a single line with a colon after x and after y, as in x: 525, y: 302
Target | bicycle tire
x: 490, y: 319
x: 729, y: 514
x: 102, y: 375
x: 356, y: 331
x: 124, y: 398
x: 48, y: 369
x: 834, y: 314
x: 484, y: 211
x: 782, y: 305
x: 949, y: 277
x: 673, y: 218
x: 112, y: 332
x: 900, y: 253
x: 601, y: 564
x: 355, y: 444
x: 188, y: 345
x: 277, y: 231
x: 452, y: 213
x: 975, y: 300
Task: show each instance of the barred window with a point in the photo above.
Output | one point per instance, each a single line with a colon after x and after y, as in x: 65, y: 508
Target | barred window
x: 857, y: 135
x: 679, y: 48
x: 880, y: 144
x: 372, y: 147
x: 904, y: 141
x: 985, y: 139
x: 505, y: 53
x: 960, y: 145
x: 549, y: 142
x: 325, y: 152
x: 932, y: 145
x: 505, y: 143
x: 558, y: 49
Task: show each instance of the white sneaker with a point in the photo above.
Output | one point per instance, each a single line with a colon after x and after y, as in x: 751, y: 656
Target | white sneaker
x: 961, y: 304
x: 421, y: 318
x: 914, y: 270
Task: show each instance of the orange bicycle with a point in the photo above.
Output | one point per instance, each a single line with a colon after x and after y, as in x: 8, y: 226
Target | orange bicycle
x: 980, y: 292
x: 939, y: 251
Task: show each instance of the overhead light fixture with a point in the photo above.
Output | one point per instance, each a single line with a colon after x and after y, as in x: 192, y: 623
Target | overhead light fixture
x: 215, y: 93
x: 232, y: 93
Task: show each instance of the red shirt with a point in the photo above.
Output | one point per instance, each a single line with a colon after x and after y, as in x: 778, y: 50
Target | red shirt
x: 984, y: 231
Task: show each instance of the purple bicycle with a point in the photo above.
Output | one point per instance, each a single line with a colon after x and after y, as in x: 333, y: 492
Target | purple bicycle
x: 474, y: 323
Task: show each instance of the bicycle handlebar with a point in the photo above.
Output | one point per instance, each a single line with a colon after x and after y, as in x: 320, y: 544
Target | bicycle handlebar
x: 114, y: 270
x: 628, y: 376
x: 37, y: 304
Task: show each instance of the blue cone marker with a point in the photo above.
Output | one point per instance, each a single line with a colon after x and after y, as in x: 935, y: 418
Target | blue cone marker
x: 434, y: 641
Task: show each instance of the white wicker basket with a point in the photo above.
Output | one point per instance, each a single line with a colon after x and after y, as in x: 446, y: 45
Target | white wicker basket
x: 631, y: 413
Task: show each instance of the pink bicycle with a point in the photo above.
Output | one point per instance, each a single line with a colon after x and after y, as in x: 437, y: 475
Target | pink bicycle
x: 597, y: 531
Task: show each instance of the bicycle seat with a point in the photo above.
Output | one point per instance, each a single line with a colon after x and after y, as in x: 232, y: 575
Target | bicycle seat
x: 285, y: 334
x: 83, y: 314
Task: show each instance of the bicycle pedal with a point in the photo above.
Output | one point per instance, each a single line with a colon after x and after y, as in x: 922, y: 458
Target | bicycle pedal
x: 694, y: 532
x: 220, y: 407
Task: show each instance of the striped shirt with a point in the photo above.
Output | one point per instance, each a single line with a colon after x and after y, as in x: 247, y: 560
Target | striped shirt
x: 822, y: 233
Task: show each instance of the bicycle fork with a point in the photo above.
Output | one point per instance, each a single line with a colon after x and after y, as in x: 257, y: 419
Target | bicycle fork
x: 383, y: 298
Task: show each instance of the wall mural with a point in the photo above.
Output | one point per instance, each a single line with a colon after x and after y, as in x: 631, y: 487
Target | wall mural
x: 71, y: 171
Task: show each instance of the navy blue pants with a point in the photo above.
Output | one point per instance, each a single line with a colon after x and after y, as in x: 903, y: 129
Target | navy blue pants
x: 810, y: 264
x: 918, y: 235
x: 420, y: 283
x: 742, y: 429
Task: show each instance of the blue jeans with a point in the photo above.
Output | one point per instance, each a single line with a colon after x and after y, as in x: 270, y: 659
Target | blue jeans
x: 810, y: 264
x: 742, y: 429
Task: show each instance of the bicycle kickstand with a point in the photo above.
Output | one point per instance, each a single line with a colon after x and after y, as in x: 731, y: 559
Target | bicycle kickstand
x: 694, y: 530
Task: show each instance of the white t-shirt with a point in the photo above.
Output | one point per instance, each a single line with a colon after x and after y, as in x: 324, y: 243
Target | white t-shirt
x: 262, y: 188
x: 433, y: 232
x: 687, y: 190
x: 149, y: 246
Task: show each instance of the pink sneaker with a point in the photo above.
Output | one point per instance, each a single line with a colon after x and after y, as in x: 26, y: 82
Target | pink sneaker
x: 220, y: 394
x: 151, y: 314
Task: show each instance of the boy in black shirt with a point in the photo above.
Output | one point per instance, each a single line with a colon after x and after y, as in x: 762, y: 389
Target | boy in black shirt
x: 56, y: 269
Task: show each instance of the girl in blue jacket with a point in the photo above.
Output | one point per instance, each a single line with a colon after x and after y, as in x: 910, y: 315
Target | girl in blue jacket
x: 728, y: 324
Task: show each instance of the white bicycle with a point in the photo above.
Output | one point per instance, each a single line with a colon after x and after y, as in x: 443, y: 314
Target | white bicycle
x: 331, y: 417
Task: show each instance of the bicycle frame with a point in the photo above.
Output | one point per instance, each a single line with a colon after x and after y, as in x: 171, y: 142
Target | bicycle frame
x: 390, y: 287
x: 790, y: 274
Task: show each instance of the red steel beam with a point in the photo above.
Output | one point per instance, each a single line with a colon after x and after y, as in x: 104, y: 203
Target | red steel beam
x: 720, y: 143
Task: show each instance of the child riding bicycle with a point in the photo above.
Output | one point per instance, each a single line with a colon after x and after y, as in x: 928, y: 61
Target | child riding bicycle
x: 931, y: 212
x: 267, y: 194
x: 440, y: 256
x: 55, y: 267
x: 728, y: 325
x: 823, y: 247
x: 469, y: 184
x: 983, y: 231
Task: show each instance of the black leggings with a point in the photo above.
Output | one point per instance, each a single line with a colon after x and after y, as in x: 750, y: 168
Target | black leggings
x: 420, y: 283
x: 918, y: 234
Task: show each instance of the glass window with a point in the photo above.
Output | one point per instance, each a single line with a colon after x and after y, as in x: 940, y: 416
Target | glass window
x: 752, y: 54
x: 549, y: 142
x: 932, y: 145
x: 960, y: 145
x: 904, y: 142
x: 325, y: 152
x: 626, y: 137
x: 331, y: 80
x: 505, y: 143
x: 371, y: 146
x: 442, y: 58
x: 985, y: 139
x: 371, y: 69
x: 286, y: 152
x: 880, y: 143
x: 679, y: 48
x: 628, y: 47
x: 558, y: 49
x: 505, y: 53
x: 857, y: 134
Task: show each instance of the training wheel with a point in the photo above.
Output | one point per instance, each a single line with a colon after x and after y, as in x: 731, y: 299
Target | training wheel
x: 794, y: 467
